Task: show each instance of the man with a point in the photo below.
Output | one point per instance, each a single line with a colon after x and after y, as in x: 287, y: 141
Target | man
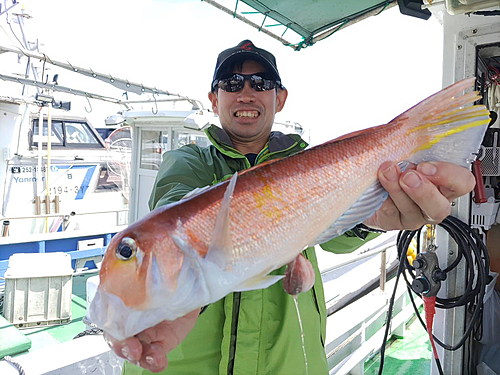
x: 257, y: 332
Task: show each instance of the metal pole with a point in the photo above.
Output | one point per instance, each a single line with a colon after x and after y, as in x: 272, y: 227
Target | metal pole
x: 20, y: 21
x: 383, y: 270
x: 247, y: 21
x: 40, y: 156
x: 365, y: 255
x: 47, y: 185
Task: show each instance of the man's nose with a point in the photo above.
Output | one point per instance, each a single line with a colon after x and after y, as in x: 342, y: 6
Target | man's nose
x: 247, y: 93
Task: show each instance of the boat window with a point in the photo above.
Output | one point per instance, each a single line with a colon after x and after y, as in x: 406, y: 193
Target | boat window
x: 56, y: 135
x: 79, y: 133
x: 153, y: 145
x: 182, y: 139
x: 74, y: 134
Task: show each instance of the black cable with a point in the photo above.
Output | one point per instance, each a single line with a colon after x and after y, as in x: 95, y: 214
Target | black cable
x: 402, y: 261
x: 389, y: 315
x: 473, y: 251
x: 472, y: 298
x: 487, y: 13
x: 43, y: 67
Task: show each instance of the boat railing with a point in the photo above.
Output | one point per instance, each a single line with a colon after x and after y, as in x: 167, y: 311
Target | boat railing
x: 361, y: 333
x: 367, y: 254
x: 6, y: 220
x: 43, y: 216
x: 73, y: 242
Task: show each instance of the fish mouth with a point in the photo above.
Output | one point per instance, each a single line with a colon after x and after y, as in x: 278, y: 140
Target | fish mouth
x: 108, y: 312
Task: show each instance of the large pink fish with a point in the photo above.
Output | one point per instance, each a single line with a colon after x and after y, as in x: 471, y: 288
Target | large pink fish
x: 231, y: 236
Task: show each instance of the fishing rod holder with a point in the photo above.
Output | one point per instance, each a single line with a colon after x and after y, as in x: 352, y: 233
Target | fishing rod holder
x: 47, y: 201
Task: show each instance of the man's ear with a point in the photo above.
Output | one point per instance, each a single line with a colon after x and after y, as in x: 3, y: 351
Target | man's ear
x: 215, y: 102
x: 281, y: 99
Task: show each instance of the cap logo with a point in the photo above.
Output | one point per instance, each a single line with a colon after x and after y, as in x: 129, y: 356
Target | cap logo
x: 247, y: 46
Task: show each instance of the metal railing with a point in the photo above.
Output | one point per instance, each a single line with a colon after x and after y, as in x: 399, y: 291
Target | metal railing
x: 368, y: 254
x: 43, y: 216
x: 6, y: 221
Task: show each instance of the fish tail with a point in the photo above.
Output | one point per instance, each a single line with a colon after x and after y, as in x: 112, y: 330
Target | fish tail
x: 445, y: 127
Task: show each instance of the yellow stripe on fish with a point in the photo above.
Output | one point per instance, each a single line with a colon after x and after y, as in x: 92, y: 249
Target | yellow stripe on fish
x: 437, y: 138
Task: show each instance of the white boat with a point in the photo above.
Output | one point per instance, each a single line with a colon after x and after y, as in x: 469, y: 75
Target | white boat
x: 75, y: 180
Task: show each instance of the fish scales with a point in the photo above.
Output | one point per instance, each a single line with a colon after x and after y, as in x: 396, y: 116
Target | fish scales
x: 281, y: 207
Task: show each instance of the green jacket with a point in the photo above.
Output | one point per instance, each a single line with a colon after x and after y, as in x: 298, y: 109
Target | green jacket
x: 255, y: 332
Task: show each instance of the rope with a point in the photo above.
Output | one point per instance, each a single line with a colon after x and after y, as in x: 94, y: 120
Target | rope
x: 89, y: 332
x: 88, y: 322
x: 14, y: 364
x: 95, y: 330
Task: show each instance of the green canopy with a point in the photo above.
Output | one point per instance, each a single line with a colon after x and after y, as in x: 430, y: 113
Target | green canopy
x: 312, y: 20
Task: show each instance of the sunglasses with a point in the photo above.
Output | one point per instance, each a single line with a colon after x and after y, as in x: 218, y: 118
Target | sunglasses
x: 236, y: 83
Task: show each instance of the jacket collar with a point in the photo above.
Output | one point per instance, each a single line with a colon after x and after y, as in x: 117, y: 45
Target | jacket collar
x: 277, y: 140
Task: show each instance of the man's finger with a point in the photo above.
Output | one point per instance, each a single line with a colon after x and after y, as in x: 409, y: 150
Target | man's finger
x: 453, y: 181
x: 433, y: 205
x: 154, y: 357
x: 386, y: 217
x: 129, y: 349
x: 410, y: 215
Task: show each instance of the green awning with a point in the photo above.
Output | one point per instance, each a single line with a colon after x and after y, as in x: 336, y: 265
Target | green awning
x: 312, y: 20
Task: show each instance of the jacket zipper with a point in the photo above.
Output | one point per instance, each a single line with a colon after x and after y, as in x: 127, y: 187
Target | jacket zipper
x: 234, y: 331
x: 235, y: 154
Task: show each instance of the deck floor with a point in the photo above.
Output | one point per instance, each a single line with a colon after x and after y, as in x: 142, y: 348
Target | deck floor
x: 408, y: 355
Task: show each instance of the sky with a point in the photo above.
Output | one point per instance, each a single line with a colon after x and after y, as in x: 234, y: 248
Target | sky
x: 362, y: 76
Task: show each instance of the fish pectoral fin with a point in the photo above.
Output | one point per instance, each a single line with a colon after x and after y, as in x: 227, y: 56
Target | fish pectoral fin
x: 258, y: 282
x: 363, y: 208
x: 299, y: 276
x: 220, y: 248
x: 180, y: 238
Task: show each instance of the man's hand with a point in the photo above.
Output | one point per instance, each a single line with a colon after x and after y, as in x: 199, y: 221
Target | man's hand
x: 149, y: 348
x: 421, y: 195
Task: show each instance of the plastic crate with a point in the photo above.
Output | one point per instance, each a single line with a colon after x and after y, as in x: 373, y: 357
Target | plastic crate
x: 38, y: 289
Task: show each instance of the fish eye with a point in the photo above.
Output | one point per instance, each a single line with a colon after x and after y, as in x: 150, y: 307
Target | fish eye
x: 126, y: 249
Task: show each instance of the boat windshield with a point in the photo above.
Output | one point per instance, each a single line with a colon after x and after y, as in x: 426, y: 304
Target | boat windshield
x: 71, y: 134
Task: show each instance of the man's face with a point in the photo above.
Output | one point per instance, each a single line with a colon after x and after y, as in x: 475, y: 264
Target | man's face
x: 248, y: 115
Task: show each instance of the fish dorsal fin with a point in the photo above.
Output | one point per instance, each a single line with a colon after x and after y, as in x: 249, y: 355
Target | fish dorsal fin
x: 196, y: 191
x: 362, y: 209
x: 220, y: 249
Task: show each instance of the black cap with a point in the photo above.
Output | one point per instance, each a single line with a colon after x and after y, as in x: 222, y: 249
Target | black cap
x: 245, y: 50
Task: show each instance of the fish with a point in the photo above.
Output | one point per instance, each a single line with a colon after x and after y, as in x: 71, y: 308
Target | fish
x: 230, y: 236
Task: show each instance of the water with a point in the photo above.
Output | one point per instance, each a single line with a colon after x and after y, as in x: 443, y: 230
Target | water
x: 107, y: 363
x: 301, y: 333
